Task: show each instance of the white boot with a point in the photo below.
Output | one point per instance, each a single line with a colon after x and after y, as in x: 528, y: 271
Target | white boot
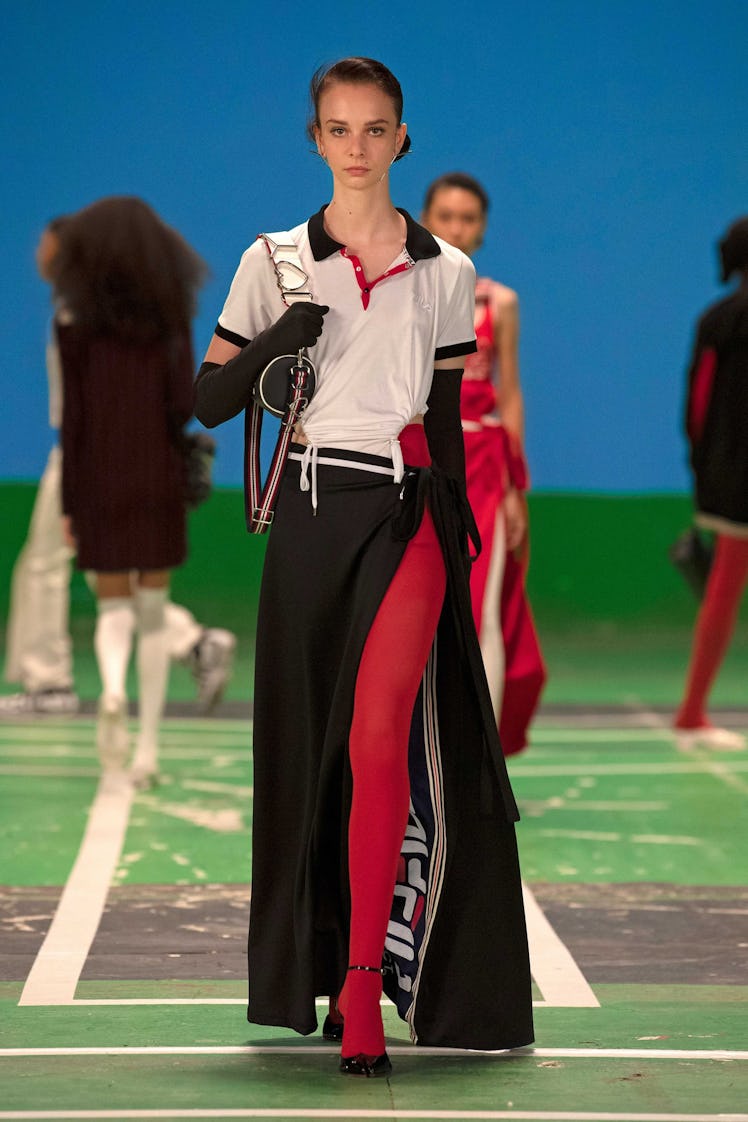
x: 113, y: 645
x: 153, y: 676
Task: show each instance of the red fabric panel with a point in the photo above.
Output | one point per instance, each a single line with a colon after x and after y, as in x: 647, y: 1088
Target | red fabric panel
x: 525, y: 672
x: 701, y: 392
x: 714, y: 628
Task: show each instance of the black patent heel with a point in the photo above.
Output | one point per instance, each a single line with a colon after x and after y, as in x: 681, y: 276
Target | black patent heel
x: 332, y: 1030
x: 371, y: 1067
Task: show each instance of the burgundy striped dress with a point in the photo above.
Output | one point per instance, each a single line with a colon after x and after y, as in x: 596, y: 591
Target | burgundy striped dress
x: 124, y: 406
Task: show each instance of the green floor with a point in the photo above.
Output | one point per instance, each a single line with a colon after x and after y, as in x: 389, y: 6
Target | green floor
x: 636, y: 854
x: 620, y: 830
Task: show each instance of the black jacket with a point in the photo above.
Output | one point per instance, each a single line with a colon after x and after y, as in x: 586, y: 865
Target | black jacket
x: 717, y: 413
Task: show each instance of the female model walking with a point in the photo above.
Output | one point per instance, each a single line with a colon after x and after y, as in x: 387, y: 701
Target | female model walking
x: 38, y: 644
x: 383, y: 837
x: 718, y: 440
x: 125, y: 284
x: 456, y: 208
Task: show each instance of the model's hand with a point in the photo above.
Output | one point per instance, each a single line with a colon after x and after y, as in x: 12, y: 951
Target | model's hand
x: 300, y: 326
x: 515, y: 517
x: 68, y: 534
x: 223, y: 389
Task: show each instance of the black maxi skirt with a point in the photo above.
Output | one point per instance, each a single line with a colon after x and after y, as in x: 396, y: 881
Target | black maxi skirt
x: 456, y: 960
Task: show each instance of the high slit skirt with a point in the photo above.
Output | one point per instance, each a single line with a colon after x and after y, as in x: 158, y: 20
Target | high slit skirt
x: 456, y: 961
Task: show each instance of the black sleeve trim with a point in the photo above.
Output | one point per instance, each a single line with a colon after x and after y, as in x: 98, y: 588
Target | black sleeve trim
x: 456, y: 349
x: 230, y: 336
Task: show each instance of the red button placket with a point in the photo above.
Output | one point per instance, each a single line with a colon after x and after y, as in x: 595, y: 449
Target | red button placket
x: 366, y: 285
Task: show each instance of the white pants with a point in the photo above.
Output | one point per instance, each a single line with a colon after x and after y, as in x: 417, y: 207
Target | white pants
x: 38, y: 642
x: 38, y: 647
x: 491, y: 639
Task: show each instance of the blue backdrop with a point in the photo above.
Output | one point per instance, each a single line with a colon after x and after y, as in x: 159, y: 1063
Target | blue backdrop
x: 610, y: 135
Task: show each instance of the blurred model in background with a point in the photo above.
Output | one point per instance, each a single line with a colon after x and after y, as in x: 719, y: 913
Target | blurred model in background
x: 456, y: 209
x: 38, y: 646
x: 125, y: 287
x: 717, y: 432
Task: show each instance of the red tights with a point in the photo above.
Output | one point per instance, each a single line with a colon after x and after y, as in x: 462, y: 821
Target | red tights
x: 389, y: 675
x: 714, y: 627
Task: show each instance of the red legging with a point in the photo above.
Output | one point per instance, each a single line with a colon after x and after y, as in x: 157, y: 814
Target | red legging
x: 714, y: 627
x: 392, y: 664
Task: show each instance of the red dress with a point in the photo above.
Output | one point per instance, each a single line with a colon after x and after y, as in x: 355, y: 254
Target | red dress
x: 493, y: 463
x: 124, y: 406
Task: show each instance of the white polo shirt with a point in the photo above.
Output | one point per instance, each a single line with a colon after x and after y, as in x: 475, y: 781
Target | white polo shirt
x: 375, y: 357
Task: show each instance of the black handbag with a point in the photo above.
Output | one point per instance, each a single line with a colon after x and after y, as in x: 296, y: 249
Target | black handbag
x: 692, y: 554
x: 272, y: 390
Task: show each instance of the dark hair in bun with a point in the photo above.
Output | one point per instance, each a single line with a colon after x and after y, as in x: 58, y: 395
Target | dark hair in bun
x: 360, y: 72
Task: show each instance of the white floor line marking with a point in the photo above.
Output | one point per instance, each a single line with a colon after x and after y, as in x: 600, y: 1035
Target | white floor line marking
x: 54, y: 975
x: 284, y: 1112
x: 188, y: 1001
x: 31, y: 771
x: 617, y: 806
x: 48, y: 725
x: 80, y: 733
x: 71, y: 751
x: 547, y: 771
x: 155, y: 1001
x: 320, y: 1001
x: 547, y: 736
x: 721, y: 769
x: 557, y: 975
x: 404, y: 1049
x: 214, y: 787
x: 724, y: 771
x: 65, y: 772
x: 635, y: 839
x: 226, y: 820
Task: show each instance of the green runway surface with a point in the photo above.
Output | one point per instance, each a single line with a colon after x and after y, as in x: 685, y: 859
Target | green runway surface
x: 635, y: 855
x: 635, y: 852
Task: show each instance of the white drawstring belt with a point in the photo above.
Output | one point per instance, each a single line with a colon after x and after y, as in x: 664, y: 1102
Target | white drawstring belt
x: 397, y: 460
x: 310, y: 458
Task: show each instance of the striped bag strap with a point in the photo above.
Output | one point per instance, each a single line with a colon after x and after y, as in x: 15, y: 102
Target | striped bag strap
x: 293, y: 284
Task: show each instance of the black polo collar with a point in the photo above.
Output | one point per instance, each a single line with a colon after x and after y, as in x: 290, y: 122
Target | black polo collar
x: 419, y: 243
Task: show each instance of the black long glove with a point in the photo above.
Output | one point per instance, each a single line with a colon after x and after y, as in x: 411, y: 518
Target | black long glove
x: 223, y: 391
x: 443, y: 426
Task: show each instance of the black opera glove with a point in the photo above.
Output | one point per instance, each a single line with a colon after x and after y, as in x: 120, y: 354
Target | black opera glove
x: 443, y: 425
x: 446, y: 443
x: 223, y: 391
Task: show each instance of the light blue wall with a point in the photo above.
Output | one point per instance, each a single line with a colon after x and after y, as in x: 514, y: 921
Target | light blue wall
x: 611, y: 136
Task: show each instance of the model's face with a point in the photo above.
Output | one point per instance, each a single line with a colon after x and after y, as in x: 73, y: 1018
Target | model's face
x: 456, y: 215
x: 46, y: 251
x: 358, y: 134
